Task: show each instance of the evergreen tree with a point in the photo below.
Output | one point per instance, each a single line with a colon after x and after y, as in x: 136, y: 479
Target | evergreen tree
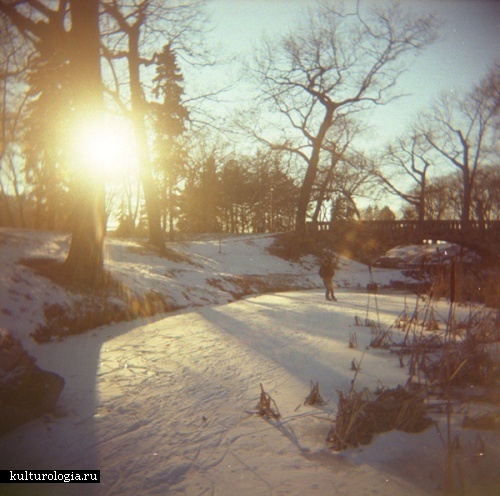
x: 66, y: 42
x: 170, y: 117
x: 47, y: 116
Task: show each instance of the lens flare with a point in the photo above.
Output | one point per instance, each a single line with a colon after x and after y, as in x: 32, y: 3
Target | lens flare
x: 103, y: 146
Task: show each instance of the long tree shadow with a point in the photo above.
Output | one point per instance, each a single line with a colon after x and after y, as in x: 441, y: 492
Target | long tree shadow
x: 272, y: 338
x: 68, y: 438
x: 132, y: 387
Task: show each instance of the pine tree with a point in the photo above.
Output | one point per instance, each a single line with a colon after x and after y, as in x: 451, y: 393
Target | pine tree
x: 170, y: 117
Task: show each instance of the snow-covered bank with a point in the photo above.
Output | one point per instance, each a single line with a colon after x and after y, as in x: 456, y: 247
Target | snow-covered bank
x: 205, y: 271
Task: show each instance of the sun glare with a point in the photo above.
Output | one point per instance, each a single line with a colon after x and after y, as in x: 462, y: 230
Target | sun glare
x: 104, y: 146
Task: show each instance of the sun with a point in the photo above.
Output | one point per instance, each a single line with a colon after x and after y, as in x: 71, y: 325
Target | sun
x: 103, y: 146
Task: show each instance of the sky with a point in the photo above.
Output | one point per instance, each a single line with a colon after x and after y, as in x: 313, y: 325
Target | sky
x: 469, y: 45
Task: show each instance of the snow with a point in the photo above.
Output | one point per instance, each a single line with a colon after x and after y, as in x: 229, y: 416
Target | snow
x: 166, y: 405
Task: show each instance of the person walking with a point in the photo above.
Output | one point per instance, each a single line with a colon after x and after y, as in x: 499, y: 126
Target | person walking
x: 326, y: 272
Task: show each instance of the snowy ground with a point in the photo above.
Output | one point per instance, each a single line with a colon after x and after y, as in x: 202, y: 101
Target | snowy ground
x: 166, y: 405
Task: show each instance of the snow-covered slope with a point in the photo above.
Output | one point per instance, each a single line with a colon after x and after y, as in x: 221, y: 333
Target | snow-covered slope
x: 207, y: 271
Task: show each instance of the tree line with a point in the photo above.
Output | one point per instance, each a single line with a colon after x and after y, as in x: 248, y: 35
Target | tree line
x: 62, y: 61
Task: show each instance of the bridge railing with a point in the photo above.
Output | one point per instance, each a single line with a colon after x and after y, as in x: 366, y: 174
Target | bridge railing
x: 429, y: 229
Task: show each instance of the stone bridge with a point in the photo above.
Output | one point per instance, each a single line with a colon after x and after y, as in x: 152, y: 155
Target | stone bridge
x: 483, y: 237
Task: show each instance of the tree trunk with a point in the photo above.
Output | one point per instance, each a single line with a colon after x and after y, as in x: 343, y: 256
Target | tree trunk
x: 84, y: 263
x: 171, y: 209
x: 323, y: 189
x: 151, y: 198
x: 5, y: 207
x: 304, y: 197
x: 312, y: 171
x: 467, y: 178
x: 421, y: 203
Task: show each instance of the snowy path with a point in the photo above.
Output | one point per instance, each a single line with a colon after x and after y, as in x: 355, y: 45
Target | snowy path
x: 165, y: 407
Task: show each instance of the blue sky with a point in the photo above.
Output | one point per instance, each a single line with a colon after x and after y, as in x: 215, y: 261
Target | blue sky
x: 470, y: 42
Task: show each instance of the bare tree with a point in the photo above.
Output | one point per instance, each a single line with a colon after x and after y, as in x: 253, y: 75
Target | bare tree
x: 438, y: 204
x: 353, y: 179
x: 486, y: 195
x: 13, y: 60
x: 337, y: 141
x: 132, y: 34
x: 465, y: 133
x: 341, y: 62
x: 407, y: 160
x: 129, y: 22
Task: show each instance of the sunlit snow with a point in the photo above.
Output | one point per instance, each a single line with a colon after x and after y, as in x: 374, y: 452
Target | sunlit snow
x: 166, y: 405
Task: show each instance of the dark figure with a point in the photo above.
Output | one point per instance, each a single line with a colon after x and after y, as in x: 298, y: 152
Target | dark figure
x: 326, y: 272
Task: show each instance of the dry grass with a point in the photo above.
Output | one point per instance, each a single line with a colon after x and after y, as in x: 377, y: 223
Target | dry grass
x: 470, y: 284
x: 110, y: 302
x: 266, y: 407
x: 247, y: 285
x: 314, y: 397
x: 146, y: 249
x: 91, y: 312
x: 482, y: 421
x: 361, y: 415
x: 459, y: 357
x: 381, y: 338
x: 461, y: 364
